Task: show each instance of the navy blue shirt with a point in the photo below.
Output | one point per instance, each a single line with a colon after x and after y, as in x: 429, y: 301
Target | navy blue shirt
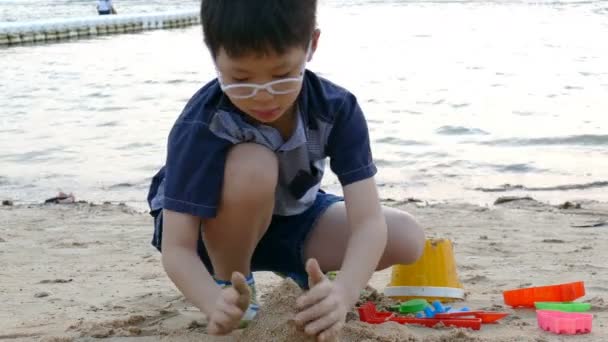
x: 330, y: 124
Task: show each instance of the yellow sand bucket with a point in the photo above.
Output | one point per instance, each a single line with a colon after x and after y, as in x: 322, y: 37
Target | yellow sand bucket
x: 432, y: 277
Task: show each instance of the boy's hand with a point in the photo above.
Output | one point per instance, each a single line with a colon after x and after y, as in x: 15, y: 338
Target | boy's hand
x: 323, y: 307
x: 230, y: 306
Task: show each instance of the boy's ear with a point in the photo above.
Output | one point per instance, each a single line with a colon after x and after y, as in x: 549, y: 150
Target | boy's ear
x: 314, y: 43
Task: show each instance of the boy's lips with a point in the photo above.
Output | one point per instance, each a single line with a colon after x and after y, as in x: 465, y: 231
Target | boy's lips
x: 266, y: 113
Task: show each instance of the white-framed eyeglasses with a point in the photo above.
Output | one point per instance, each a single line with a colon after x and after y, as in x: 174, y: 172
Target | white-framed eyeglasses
x: 277, y: 87
x: 247, y: 90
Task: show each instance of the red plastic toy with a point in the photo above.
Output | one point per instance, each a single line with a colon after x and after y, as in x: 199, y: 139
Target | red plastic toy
x: 369, y: 314
x: 485, y: 316
x: 553, y: 293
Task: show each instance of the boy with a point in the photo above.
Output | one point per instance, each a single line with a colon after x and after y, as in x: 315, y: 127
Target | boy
x: 240, y: 191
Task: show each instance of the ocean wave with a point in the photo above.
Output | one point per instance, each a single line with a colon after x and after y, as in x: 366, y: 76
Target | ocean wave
x: 467, y: 164
x: 108, y: 124
x: 584, y: 140
x: 500, y: 168
x: 352, y: 3
x: 516, y: 168
x: 565, y: 187
x: 402, y: 142
x: 427, y: 155
x: 36, y: 155
x: 383, y: 162
x: 459, y: 130
x: 119, y: 186
x: 135, y: 145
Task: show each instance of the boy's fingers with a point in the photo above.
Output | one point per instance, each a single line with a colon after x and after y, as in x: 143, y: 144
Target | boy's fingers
x: 316, y: 311
x: 225, y: 318
x: 244, y: 293
x: 212, y: 329
x: 314, y: 295
x: 331, y: 334
x: 230, y: 296
x: 315, y: 275
x: 222, y: 321
x: 216, y: 327
x: 232, y: 311
x: 321, y: 324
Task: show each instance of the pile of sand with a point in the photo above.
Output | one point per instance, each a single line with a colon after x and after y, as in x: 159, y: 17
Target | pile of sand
x: 275, y: 323
x: 275, y: 319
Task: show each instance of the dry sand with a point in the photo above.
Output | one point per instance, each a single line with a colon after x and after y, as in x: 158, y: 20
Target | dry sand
x: 77, y: 272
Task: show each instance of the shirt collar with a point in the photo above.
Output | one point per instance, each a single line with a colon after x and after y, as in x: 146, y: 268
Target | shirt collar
x: 298, y: 138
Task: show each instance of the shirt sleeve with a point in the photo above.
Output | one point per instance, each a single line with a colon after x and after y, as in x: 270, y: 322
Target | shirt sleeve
x: 194, y: 169
x: 348, y: 145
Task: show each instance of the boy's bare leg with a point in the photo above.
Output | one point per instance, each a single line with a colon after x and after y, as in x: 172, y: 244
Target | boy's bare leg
x: 245, y: 210
x: 329, y: 238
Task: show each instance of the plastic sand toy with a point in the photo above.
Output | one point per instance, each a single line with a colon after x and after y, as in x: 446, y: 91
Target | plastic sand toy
x: 566, y: 307
x: 441, y: 312
x: 568, y: 323
x: 485, y: 316
x: 413, y: 306
x: 432, y: 277
x: 526, y: 297
x: 369, y: 314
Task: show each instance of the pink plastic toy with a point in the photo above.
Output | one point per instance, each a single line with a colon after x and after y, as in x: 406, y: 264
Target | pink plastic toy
x: 568, y: 323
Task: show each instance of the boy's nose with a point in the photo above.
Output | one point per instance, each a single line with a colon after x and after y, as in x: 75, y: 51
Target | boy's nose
x: 263, y: 95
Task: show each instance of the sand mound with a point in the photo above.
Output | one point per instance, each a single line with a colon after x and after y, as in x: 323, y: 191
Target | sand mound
x: 370, y: 294
x: 455, y: 335
x: 356, y: 331
x: 275, y: 322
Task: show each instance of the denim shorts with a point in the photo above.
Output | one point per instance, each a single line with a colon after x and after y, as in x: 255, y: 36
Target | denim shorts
x: 281, y: 249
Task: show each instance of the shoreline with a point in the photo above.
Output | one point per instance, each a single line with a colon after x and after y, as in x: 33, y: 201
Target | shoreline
x: 486, y: 199
x: 80, y: 271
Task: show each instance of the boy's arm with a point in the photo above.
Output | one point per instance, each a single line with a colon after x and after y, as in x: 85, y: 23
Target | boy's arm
x: 368, y: 237
x: 182, y: 263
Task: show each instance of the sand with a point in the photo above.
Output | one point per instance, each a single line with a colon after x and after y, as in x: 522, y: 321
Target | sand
x: 77, y: 272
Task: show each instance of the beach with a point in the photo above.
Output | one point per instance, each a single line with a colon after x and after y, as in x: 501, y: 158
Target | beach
x: 75, y: 272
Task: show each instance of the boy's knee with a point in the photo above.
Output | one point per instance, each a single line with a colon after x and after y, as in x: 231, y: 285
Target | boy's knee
x: 251, y: 173
x: 410, y: 238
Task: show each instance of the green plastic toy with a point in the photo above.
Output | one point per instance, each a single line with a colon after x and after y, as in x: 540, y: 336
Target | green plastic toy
x: 563, y: 306
x: 413, y: 306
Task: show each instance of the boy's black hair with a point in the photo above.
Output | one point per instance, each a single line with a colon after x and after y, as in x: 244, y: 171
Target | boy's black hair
x: 257, y: 26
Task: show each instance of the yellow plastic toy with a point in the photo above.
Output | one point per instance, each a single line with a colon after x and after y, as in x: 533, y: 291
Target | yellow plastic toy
x: 433, y: 277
